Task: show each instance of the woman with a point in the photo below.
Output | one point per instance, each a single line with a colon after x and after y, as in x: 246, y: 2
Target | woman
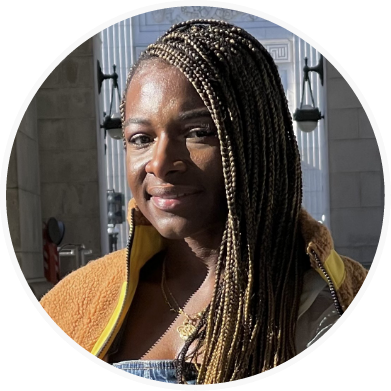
x: 222, y: 277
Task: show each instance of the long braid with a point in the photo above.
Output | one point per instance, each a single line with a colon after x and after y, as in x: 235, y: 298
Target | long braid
x: 249, y: 326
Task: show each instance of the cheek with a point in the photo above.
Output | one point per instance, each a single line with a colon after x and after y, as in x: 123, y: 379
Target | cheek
x: 205, y: 156
x: 208, y: 160
x: 135, y: 172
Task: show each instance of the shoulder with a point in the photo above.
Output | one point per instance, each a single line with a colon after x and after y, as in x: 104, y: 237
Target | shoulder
x: 355, y: 275
x: 111, y: 267
x: 90, y: 290
x: 346, y: 275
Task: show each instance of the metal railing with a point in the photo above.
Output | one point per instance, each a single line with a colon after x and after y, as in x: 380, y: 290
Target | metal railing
x: 72, y: 257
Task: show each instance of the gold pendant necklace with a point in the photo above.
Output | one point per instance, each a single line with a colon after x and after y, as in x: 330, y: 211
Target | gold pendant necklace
x: 189, y: 325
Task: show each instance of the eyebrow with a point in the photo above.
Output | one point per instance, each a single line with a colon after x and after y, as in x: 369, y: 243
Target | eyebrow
x: 195, y: 113
x: 132, y: 120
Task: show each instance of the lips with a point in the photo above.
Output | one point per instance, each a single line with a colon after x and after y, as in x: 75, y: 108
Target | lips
x: 171, y: 198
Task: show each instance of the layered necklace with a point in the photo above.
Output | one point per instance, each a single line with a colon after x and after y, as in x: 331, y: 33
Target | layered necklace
x: 189, y: 325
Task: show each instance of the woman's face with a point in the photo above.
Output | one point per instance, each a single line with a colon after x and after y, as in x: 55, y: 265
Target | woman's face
x: 173, y: 159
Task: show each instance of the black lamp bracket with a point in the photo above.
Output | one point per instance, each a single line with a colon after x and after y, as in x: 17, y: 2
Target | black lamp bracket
x: 306, y: 70
x: 114, y: 77
x: 102, y: 76
x: 109, y: 123
x: 318, y: 69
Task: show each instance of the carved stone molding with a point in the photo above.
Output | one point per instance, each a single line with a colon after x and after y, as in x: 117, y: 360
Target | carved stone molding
x: 178, y: 14
x: 279, y: 50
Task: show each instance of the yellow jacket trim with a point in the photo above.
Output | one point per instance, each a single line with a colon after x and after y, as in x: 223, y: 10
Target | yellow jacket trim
x: 335, y: 268
x: 109, y: 328
x: 146, y: 243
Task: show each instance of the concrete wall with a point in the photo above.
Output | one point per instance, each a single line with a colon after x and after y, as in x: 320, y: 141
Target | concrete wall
x: 356, y: 176
x: 68, y: 150
x: 53, y: 169
x: 24, y: 201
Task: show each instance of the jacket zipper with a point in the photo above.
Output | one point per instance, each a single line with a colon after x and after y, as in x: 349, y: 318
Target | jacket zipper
x: 128, y: 248
x: 330, y: 283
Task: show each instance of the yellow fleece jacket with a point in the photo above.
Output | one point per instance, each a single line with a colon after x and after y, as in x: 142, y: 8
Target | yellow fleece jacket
x: 90, y: 304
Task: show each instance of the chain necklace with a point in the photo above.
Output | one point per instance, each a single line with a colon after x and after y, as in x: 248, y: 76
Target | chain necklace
x: 189, y: 325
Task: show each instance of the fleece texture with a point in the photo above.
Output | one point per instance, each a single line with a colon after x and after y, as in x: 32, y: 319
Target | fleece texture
x: 82, y: 303
x: 318, y: 238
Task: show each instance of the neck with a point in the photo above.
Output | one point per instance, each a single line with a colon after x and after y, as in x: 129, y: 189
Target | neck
x: 190, y: 266
x: 194, y: 256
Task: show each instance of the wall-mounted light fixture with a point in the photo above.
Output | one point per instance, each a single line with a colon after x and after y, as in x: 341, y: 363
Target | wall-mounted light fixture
x: 112, y: 122
x: 307, y: 116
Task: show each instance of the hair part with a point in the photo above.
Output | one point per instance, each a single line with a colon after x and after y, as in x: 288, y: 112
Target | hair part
x: 249, y: 326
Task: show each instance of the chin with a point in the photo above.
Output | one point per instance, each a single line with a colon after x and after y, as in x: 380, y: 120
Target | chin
x: 175, y: 228
x: 207, y: 231
x: 187, y: 224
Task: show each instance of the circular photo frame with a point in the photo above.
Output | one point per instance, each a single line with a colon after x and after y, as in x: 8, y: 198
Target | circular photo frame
x: 60, y: 160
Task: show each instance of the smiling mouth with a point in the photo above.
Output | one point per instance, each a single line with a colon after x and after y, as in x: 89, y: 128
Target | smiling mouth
x: 171, y: 199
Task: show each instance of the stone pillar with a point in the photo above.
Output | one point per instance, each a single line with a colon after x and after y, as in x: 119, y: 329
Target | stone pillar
x: 356, y: 176
x: 24, y: 202
x: 68, y: 149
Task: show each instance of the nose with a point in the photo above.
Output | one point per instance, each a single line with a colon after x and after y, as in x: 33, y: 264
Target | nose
x: 167, y: 158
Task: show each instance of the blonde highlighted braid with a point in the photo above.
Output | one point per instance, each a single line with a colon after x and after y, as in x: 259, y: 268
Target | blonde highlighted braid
x: 249, y: 326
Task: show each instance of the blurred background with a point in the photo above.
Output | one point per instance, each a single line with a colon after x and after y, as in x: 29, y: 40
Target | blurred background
x: 66, y: 185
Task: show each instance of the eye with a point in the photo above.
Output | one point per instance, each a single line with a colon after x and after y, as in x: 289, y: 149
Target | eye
x: 200, y: 133
x: 140, y: 140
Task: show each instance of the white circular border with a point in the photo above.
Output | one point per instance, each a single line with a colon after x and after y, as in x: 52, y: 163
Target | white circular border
x: 170, y: 4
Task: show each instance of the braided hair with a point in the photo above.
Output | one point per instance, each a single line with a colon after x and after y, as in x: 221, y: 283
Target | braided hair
x: 249, y: 326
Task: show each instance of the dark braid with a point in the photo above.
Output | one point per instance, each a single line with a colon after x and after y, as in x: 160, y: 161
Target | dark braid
x: 250, y: 323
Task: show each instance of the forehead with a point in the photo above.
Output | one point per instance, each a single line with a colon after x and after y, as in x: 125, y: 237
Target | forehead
x: 158, y: 71
x: 154, y: 64
x: 156, y: 85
